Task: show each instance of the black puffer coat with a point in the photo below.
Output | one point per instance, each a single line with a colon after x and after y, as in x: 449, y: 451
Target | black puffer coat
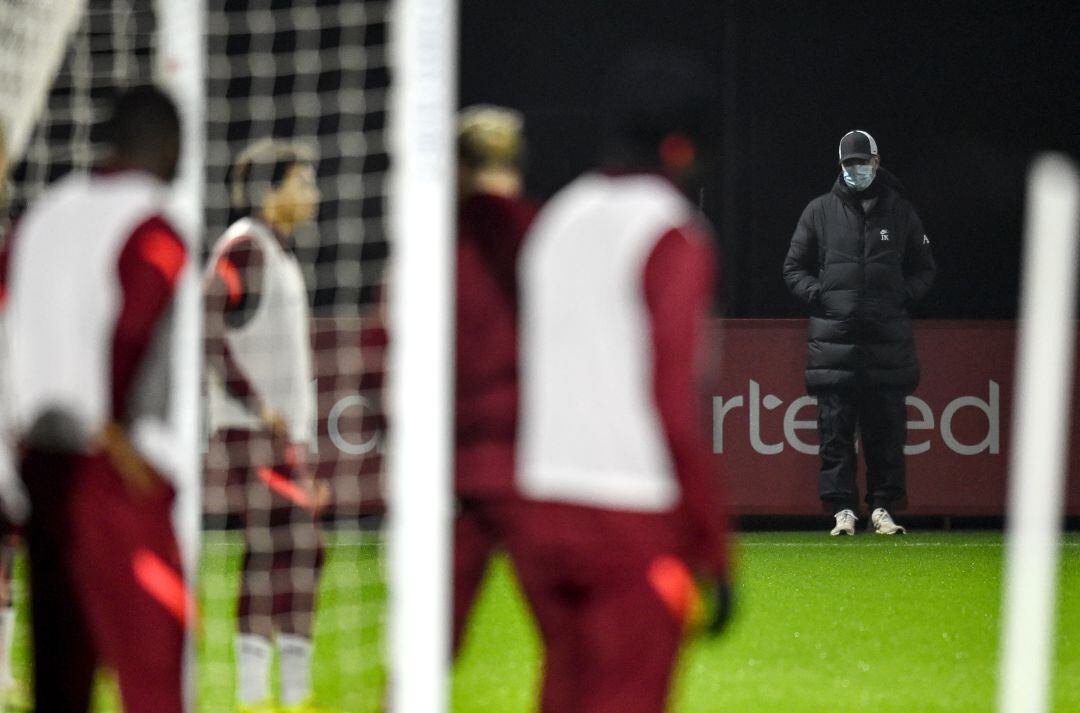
x: 859, y: 272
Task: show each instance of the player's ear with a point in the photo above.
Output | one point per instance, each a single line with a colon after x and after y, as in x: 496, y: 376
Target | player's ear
x: 677, y: 152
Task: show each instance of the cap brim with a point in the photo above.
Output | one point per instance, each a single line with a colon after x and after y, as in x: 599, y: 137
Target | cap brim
x: 865, y: 156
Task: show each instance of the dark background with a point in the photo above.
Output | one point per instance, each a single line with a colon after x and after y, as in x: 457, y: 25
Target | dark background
x: 959, y: 97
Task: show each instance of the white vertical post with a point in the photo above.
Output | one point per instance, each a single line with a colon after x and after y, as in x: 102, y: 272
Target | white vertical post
x: 181, y: 68
x: 1037, y: 470
x: 424, y: 45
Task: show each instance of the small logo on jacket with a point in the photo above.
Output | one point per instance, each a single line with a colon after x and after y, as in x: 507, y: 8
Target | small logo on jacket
x: 885, y: 234
x: 925, y: 240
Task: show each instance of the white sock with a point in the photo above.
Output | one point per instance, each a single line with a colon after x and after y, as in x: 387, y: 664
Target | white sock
x: 7, y: 636
x: 253, y: 654
x: 295, y: 653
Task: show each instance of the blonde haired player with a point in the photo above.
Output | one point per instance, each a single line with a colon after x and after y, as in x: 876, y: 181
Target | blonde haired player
x: 262, y: 410
x: 492, y: 220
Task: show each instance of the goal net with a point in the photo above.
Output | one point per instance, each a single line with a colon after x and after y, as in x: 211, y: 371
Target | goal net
x: 313, y: 72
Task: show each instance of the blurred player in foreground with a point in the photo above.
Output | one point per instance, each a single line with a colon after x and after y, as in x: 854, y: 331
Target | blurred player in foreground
x: 89, y: 279
x: 492, y: 220
x: 262, y: 410
x: 624, y: 511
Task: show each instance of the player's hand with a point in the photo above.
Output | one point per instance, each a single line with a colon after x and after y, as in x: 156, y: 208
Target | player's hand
x: 275, y: 424
x: 719, y: 604
x: 319, y: 491
x: 136, y: 472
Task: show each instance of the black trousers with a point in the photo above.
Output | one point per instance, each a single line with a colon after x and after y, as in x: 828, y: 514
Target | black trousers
x: 880, y: 417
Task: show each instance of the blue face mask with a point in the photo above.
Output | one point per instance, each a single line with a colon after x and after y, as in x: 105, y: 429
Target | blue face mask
x: 859, y: 176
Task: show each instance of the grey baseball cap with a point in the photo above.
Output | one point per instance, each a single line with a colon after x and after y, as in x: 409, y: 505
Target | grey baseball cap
x: 857, y: 144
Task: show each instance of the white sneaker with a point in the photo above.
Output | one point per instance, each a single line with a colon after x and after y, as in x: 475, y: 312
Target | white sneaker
x: 845, y: 523
x: 883, y: 523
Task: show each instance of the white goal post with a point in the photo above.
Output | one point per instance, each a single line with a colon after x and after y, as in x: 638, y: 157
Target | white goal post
x: 421, y: 292
x: 1044, y: 370
x: 180, y: 66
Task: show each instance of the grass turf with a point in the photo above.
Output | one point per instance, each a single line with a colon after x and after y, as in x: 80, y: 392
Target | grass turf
x: 823, y: 624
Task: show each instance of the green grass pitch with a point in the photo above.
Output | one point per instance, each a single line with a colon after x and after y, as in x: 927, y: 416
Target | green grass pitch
x: 823, y: 624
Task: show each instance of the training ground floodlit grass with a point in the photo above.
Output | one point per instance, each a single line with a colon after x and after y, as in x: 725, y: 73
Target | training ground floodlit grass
x: 823, y: 624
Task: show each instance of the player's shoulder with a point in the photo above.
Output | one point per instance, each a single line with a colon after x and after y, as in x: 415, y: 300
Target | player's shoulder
x: 155, y: 242
x: 128, y: 193
x: 245, y: 235
x: 157, y: 226
x: 651, y: 194
x: 640, y: 192
x: 55, y: 199
x: 697, y: 231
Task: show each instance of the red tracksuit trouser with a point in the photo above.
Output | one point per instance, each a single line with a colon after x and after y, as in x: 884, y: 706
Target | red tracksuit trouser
x: 610, y: 638
x: 105, y: 586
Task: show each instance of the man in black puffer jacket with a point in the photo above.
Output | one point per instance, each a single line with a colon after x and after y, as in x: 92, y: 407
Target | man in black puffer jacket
x: 859, y: 259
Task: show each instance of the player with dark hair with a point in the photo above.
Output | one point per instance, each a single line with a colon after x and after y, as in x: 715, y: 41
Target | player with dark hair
x: 623, y: 506
x: 492, y: 220
x: 88, y: 286
x: 262, y: 410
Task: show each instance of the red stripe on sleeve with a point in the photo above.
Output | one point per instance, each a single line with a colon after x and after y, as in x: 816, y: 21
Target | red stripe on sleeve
x: 231, y: 299
x: 147, y: 269
x: 239, y: 268
x: 160, y: 248
x: 230, y: 277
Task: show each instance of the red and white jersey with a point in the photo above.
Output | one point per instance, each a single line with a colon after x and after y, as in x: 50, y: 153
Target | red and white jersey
x: 590, y: 432
x: 272, y: 348
x: 88, y: 282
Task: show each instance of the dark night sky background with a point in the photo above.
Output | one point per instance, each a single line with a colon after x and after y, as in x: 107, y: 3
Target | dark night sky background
x: 958, y: 95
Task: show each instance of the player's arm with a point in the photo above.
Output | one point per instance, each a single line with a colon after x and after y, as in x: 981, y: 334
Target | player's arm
x: 297, y: 455
x: 149, y: 267
x: 801, y: 264
x: 238, y: 276
x: 148, y: 270
x: 678, y: 281
x: 233, y: 292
